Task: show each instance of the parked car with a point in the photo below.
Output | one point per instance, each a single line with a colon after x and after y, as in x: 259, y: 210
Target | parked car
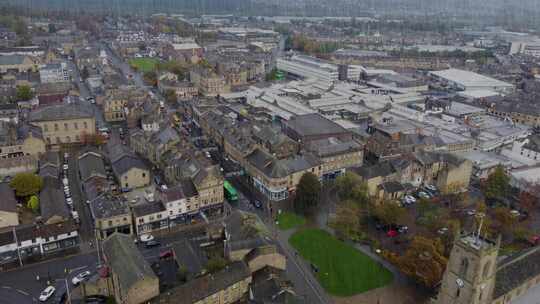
x: 146, y: 238
x: 431, y: 188
x: 75, y: 216
x: 534, y: 240
x: 257, y: 204
x: 65, y: 167
x: 442, y: 231
x: 80, y: 277
x: 403, y: 229
x: 46, y: 293
x: 471, y: 212
x: 152, y: 243
x: 514, y: 213
x: 409, y: 199
x: 392, y: 233
x: 166, y: 254
x: 423, y: 194
x: 65, y: 181
x: 69, y: 201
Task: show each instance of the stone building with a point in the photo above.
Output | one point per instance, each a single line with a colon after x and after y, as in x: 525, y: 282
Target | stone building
x: 475, y: 274
x: 64, y: 123
x: 131, y: 277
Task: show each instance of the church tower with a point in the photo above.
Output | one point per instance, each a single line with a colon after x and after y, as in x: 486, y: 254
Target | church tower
x: 470, y: 274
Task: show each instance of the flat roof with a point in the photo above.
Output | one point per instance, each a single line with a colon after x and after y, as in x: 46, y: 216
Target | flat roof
x: 469, y: 79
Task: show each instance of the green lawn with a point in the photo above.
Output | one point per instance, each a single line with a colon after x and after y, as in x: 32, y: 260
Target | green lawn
x: 289, y: 220
x: 343, y: 270
x: 144, y: 64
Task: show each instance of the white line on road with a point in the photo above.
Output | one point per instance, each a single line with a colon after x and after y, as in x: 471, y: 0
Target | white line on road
x: 78, y: 268
x: 23, y: 292
x: 6, y: 287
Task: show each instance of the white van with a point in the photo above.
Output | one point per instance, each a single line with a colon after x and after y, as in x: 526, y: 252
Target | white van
x: 75, y: 216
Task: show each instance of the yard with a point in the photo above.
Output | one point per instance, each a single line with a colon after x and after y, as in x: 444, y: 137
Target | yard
x: 289, y: 220
x: 342, y: 270
x: 144, y: 64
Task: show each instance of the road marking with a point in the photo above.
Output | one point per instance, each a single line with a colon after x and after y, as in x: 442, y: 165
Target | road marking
x: 78, y: 268
x: 22, y: 292
x: 6, y: 287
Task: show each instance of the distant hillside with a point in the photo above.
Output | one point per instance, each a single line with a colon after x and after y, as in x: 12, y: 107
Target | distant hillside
x: 517, y: 8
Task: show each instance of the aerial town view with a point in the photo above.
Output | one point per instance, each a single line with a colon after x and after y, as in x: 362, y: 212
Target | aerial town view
x: 270, y: 152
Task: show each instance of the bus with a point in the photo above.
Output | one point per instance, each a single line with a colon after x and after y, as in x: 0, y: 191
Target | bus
x: 230, y: 193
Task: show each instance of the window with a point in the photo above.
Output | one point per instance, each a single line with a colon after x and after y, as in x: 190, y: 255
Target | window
x: 77, y: 138
x: 141, y: 220
x: 56, y: 127
x: 76, y: 126
x: 85, y: 125
x: 463, y: 267
x: 158, y: 216
x: 110, y: 223
x: 58, y: 141
x: 68, y: 139
x: 144, y: 175
x: 46, y: 127
x: 66, y: 126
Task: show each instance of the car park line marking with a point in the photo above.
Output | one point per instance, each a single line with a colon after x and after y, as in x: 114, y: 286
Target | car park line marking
x: 6, y: 287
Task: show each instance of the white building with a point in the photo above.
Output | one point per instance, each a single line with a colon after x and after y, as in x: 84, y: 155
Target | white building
x: 309, y: 67
x: 54, y: 72
x: 470, y: 81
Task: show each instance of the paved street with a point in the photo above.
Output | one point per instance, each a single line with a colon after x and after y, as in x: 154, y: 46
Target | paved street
x: 21, y: 286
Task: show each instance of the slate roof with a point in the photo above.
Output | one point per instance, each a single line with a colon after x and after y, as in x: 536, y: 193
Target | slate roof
x: 277, y: 168
x: 517, y: 271
x: 90, y: 165
x: 127, y: 162
x: 51, y: 200
x: 332, y: 146
x: 105, y: 206
x: 61, y: 112
x: 208, y: 285
x: 314, y: 124
x: 379, y: 169
x: 8, y: 203
x: 148, y: 208
x: 189, y: 256
x: 126, y: 261
x: 392, y: 187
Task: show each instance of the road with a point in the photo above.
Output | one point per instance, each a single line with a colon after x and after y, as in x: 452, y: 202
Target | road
x: 298, y: 270
x: 86, y: 227
x: 85, y: 93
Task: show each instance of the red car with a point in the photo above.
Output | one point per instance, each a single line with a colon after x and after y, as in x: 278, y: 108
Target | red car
x: 166, y: 254
x: 534, y: 240
x: 392, y: 233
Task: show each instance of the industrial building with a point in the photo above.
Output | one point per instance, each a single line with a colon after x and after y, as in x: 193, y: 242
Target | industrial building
x: 470, y: 81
